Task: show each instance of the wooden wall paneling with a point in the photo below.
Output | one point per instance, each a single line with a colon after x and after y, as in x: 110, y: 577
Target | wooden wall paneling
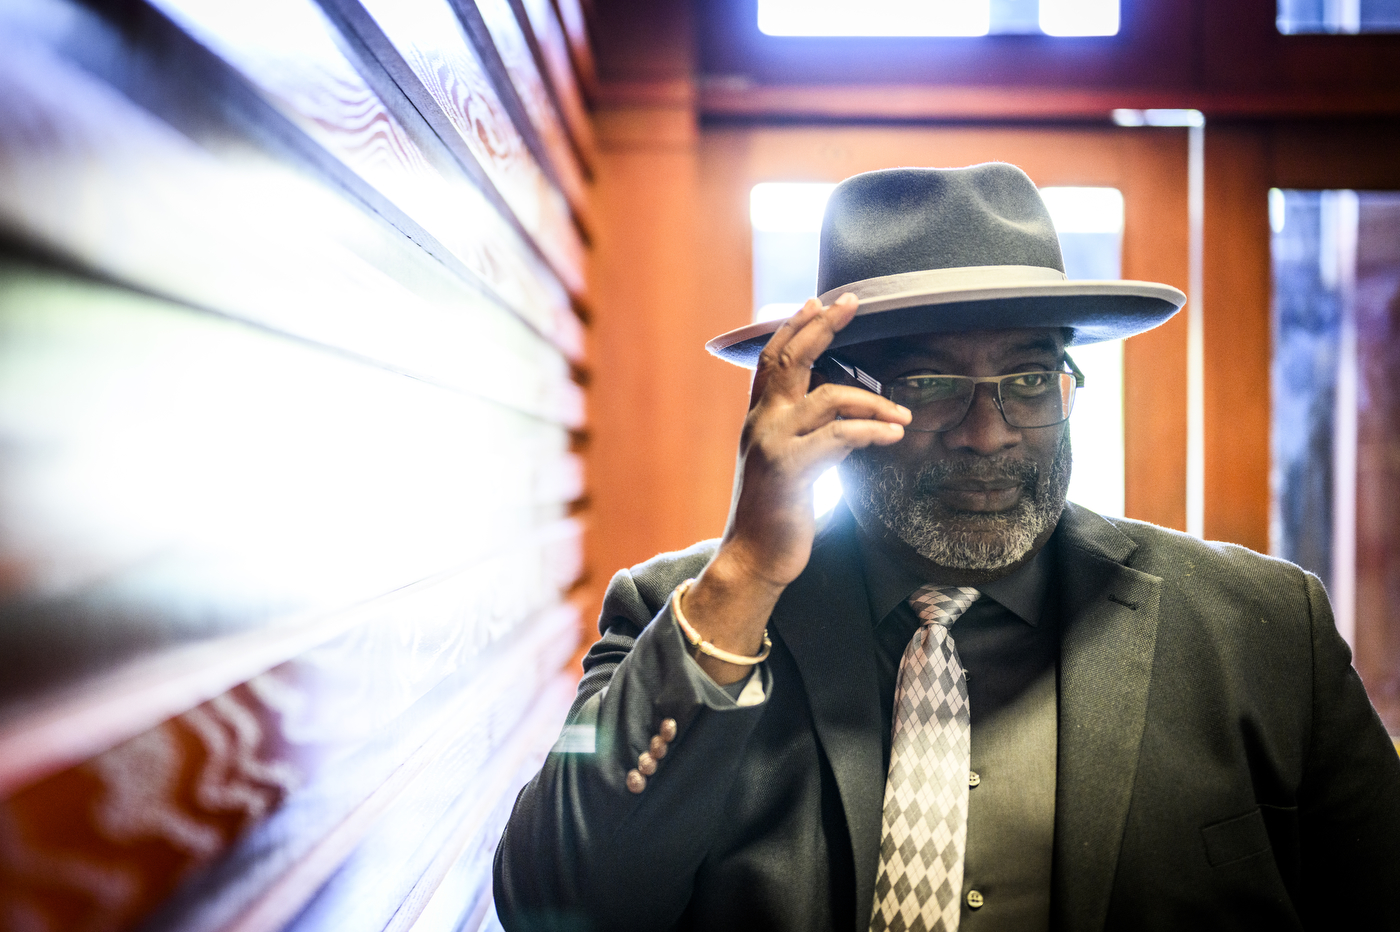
x: 1237, y: 336
x: 575, y: 22
x: 173, y: 478
x: 425, y: 50
x: 286, y: 412
x: 1242, y: 49
x: 657, y: 390
x: 304, y: 762
x: 498, y: 33
x: 307, y: 75
x: 1156, y: 248
x: 257, y: 241
x: 545, y: 34
x: 1322, y: 154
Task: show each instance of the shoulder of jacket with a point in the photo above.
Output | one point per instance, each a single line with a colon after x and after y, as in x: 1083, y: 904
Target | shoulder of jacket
x: 646, y: 586
x: 1186, y: 560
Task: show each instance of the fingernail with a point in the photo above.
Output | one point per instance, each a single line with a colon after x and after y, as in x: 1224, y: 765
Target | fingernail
x: 901, y: 409
x: 847, y: 298
x: 897, y: 428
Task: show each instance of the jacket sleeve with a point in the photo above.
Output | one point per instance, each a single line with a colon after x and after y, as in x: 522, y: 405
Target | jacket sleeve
x: 1349, y: 798
x: 581, y: 850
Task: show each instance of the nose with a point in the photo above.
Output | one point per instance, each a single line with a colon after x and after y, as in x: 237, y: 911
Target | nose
x: 983, y: 431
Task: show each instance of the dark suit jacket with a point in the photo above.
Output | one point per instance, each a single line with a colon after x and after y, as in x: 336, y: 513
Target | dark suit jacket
x: 1219, y: 764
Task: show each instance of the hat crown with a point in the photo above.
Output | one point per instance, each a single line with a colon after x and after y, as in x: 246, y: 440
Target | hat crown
x: 901, y: 220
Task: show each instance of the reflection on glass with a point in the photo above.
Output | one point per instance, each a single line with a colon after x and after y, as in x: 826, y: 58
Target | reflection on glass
x: 1338, y: 16
x: 1336, y: 414
x: 786, y: 220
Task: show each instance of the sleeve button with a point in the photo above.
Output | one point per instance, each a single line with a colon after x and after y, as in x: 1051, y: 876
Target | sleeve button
x: 975, y: 899
x: 668, y: 730
x: 973, y: 778
x: 646, y: 764
x: 635, y: 781
x: 657, y: 749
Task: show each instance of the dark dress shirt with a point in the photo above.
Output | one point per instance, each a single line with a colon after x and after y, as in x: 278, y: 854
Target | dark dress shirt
x: 1008, y: 643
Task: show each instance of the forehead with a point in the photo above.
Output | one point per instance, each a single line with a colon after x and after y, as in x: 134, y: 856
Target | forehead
x: 972, y: 349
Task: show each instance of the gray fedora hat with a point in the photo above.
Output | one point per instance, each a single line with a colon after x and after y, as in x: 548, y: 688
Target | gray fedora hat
x: 942, y: 250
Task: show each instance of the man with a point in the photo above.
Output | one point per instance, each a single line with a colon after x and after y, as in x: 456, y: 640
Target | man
x: 960, y: 702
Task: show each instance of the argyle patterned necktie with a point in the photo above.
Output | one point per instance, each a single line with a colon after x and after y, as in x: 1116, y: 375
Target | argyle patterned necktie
x: 919, y: 884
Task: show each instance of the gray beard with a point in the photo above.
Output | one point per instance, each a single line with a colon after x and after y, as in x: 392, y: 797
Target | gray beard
x: 910, y: 509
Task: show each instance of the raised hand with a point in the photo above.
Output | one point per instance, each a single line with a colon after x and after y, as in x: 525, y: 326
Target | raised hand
x: 791, y: 435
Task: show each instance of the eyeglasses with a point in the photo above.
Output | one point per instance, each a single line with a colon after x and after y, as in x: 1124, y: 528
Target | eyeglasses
x: 940, y: 402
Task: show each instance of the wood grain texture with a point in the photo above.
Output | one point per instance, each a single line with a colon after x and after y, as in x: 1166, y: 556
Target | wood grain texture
x: 290, y: 512
x: 509, y: 41
x: 426, y: 50
x: 575, y: 23
x: 266, y: 790
x: 303, y: 71
x: 171, y: 477
x: 546, y: 36
x: 91, y: 176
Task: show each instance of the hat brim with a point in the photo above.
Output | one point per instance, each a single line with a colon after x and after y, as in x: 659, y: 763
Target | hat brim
x: 1094, y: 311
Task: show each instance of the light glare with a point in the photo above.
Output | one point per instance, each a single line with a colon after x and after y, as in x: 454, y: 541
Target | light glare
x: 1079, y: 17
x: 788, y: 207
x: 875, y: 17
x: 1084, y: 210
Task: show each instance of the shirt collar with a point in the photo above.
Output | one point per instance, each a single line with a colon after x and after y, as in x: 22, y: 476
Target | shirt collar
x: 888, y: 582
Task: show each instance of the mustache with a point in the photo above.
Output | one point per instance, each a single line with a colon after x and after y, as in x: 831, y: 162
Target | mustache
x: 933, y: 476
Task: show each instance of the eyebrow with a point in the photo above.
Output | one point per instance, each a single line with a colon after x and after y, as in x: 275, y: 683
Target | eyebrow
x: 1041, y: 344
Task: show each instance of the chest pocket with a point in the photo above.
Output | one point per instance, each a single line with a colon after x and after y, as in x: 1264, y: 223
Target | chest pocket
x: 1236, y: 839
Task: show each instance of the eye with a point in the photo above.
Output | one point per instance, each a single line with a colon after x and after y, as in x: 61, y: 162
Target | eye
x: 1029, y: 384
x: 916, y: 390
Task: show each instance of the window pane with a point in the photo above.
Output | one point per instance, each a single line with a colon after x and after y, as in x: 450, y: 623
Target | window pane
x: 1338, y: 16
x: 1335, y: 434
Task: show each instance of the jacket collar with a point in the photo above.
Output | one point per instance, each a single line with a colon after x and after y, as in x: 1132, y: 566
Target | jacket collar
x: 1108, y: 634
x: 824, y: 620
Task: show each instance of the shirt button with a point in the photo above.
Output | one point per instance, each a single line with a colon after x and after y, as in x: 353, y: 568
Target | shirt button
x: 635, y: 781
x: 974, y: 899
x: 973, y: 778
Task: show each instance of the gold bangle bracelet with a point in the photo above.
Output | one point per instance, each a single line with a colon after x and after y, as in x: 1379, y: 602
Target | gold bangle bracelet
x: 705, y: 647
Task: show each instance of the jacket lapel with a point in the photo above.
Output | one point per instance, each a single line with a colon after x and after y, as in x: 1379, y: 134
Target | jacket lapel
x: 824, y: 619
x: 1108, y: 634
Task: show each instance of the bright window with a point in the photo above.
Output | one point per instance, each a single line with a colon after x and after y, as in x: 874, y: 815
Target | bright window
x: 786, y: 219
x: 1338, y: 16
x: 938, y: 17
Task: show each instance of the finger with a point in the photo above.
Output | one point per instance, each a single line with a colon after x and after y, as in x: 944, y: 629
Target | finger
x: 815, y: 337
x: 830, y: 444
x: 786, y: 363
x: 827, y: 402
x: 775, y: 345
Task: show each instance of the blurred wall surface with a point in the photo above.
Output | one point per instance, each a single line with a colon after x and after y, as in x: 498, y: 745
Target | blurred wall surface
x: 291, y: 499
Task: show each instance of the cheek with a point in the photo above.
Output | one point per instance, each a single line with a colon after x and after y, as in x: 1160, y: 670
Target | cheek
x: 914, y: 450
x: 1043, y: 444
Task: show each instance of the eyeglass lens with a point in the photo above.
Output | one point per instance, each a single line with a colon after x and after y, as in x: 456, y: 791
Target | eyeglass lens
x: 1028, y: 399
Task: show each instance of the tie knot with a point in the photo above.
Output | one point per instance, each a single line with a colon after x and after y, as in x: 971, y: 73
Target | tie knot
x: 942, y: 604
